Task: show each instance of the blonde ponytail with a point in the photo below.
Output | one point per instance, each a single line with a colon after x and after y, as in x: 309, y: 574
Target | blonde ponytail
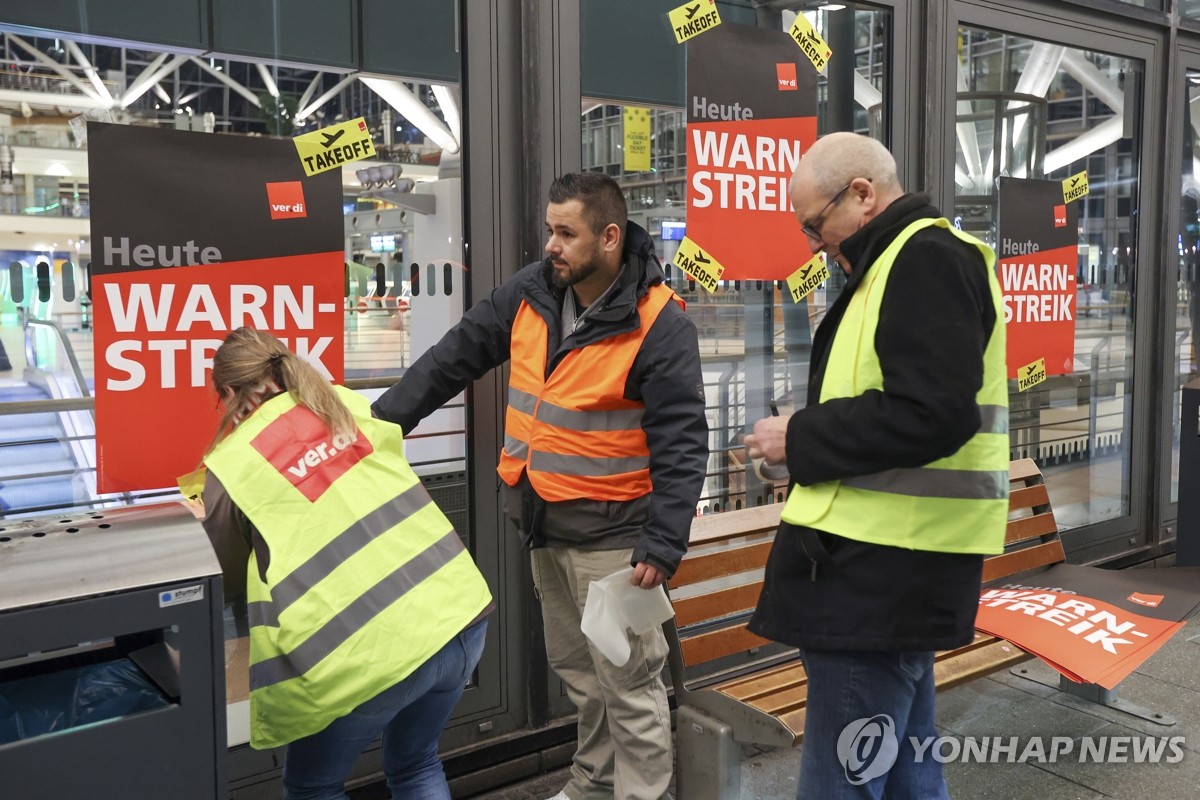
x: 251, y: 366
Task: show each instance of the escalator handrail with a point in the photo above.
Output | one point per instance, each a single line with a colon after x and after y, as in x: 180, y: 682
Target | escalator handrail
x: 31, y: 350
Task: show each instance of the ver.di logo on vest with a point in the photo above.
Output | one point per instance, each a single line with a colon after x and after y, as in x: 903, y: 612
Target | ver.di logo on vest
x: 303, y: 451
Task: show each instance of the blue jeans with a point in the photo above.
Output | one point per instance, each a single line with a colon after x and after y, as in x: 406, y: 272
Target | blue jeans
x: 862, y: 709
x: 410, y: 715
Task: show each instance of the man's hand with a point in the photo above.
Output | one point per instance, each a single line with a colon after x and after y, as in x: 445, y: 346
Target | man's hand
x: 647, y: 576
x: 769, y: 440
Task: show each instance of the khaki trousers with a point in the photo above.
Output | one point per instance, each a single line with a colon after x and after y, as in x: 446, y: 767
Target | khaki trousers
x: 624, y: 747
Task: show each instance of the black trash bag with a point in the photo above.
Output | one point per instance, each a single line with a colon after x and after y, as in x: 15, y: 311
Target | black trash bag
x: 69, y: 698
x: 10, y: 722
x: 42, y: 704
x: 113, y: 689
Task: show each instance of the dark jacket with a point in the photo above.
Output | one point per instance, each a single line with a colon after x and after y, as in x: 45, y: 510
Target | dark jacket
x: 665, y: 376
x: 827, y: 592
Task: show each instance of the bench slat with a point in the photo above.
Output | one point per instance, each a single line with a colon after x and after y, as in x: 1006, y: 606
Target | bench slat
x: 981, y: 640
x: 718, y: 564
x: 713, y: 528
x: 974, y: 662
x: 791, y: 699
x: 1023, y: 469
x: 794, y: 721
x: 1002, y: 566
x: 761, y: 684
x: 710, y: 646
x: 714, y: 605
x: 1028, y: 497
x: 1020, y: 530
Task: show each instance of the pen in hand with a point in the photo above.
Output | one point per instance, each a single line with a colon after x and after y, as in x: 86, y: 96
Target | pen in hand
x: 773, y: 473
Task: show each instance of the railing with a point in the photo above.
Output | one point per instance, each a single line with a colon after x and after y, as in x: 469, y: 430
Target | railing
x: 31, y: 354
x: 30, y: 137
x: 1090, y: 426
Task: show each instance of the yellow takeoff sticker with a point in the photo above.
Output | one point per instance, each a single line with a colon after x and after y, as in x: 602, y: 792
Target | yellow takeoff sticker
x: 808, y: 40
x: 808, y: 277
x: 1031, y: 375
x: 637, y: 139
x: 699, y: 265
x: 1075, y: 187
x: 192, y: 488
x: 693, y: 19
x: 331, y: 147
x: 192, y: 484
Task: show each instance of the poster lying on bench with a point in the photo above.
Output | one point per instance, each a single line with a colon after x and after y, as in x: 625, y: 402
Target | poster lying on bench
x: 1092, y: 625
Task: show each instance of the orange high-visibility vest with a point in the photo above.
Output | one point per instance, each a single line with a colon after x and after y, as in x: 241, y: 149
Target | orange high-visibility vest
x: 574, y: 432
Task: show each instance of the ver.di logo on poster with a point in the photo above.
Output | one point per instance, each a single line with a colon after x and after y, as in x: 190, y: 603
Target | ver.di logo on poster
x: 785, y: 73
x: 286, y: 200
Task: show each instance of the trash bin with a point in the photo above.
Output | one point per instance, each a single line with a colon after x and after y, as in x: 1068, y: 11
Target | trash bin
x: 111, y: 657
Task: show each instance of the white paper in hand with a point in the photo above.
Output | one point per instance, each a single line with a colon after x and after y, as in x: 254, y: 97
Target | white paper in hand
x: 614, y: 604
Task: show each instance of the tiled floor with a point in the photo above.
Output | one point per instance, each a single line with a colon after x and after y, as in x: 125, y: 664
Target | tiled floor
x: 1007, y: 705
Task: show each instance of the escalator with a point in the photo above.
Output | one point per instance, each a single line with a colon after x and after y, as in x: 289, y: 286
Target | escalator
x: 37, y: 469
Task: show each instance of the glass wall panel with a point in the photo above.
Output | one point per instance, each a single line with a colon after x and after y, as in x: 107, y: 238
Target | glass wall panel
x: 1187, y: 288
x: 403, y: 245
x: 1031, y: 109
x: 403, y: 221
x: 751, y: 333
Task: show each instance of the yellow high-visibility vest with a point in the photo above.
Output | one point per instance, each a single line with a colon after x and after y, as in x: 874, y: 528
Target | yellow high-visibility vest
x: 957, y: 504
x: 367, y: 578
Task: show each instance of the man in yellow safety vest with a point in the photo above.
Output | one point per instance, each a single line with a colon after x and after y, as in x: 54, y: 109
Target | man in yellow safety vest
x: 899, y: 472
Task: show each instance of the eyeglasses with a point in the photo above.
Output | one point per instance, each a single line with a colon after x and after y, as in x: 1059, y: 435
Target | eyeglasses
x: 812, y: 228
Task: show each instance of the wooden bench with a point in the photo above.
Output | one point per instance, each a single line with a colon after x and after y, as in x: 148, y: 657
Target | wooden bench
x: 733, y: 687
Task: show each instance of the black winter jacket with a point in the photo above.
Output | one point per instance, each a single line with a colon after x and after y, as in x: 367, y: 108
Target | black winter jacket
x: 665, y: 376
x: 827, y: 592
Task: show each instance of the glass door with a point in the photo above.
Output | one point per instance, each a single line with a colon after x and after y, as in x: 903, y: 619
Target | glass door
x: 1182, y: 299
x: 1025, y: 110
x: 754, y: 340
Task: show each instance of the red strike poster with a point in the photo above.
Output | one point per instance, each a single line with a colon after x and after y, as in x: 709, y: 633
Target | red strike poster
x: 751, y: 115
x: 194, y: 235
x: 1038, y: 260
x: 1092, y: 625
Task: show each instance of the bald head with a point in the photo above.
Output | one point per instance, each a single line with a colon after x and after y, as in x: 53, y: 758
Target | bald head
x: 838, y: 158
x: 841, y: 183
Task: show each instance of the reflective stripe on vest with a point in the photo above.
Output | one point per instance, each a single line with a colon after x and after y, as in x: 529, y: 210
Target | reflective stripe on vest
x: 367, y: 578
x: 963, y: 484
x: 956, y: 504
x: 356, y: 616
x: 574, y: 433
x: 361, y: 533
x: 568, y: 419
